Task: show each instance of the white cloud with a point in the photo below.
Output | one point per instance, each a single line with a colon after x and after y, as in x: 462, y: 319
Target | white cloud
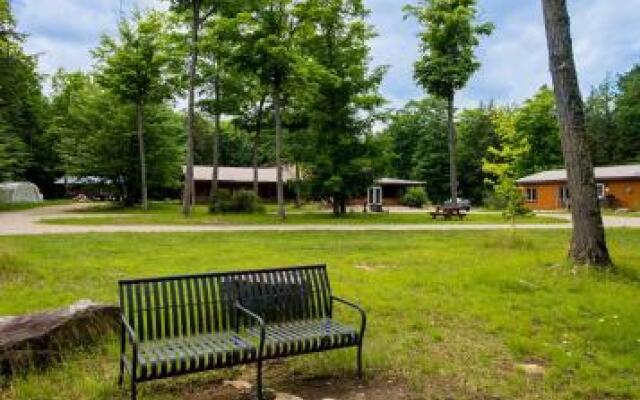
x: 514, y: 58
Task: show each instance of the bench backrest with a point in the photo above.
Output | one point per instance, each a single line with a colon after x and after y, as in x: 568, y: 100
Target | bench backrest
x: 186, y: 305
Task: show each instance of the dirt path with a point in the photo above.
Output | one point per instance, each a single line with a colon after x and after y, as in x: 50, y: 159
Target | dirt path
x: 26, y: 223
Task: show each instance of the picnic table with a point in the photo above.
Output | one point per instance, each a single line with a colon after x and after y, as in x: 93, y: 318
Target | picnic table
x: 447, y: 212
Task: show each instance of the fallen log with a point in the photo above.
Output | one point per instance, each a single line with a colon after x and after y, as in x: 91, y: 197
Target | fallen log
x: 36, y: 340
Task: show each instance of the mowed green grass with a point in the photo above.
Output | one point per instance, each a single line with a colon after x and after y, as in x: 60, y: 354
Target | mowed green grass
x: 450, y: 313
x: 167, y: 213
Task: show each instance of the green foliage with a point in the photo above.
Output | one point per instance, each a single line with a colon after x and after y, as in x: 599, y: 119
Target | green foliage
x: 135, y: 65
x: 415, y: 197
x: 447, y: 45
x: 612, y: 113
x: 241, y: 201
x: 95, y: 136
x: 537, y: 123
x: 627, y: 116
x: 418, y: 136
x: 502, y: 163
x: 604, y: 137
x: 24, y: 146
x: 476, y: 134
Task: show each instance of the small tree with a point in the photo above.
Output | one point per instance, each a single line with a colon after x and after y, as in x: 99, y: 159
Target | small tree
x: 447, y: 42
x: 502, y: 163
x: 133, y: 68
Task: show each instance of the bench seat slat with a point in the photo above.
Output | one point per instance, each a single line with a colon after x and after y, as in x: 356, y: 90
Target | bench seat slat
x: 194, y: 353
x: 321, y: 334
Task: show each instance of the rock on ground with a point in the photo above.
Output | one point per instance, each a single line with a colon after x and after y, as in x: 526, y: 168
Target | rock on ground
x: 36, y: 340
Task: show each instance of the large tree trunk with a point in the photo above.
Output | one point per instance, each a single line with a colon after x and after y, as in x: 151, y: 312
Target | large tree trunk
x: 187, y: 193
x: 256, y: 144
x: 588, y: 244
x: 213, y: 193
x: 280, y: 184
x: 453, y: 179
x: 143, y: 163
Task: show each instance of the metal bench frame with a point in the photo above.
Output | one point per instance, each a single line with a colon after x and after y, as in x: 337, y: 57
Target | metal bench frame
x: 223, y: 319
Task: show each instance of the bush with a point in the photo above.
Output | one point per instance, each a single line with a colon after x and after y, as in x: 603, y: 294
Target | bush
x: 415, y: 197
x: 242, y: 201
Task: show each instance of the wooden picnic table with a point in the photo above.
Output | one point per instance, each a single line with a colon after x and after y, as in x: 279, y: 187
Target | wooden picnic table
x: 448, y: 212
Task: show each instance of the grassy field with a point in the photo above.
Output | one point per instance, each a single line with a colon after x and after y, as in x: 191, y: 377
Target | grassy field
x: 452, y: 314
x: 166, y: 213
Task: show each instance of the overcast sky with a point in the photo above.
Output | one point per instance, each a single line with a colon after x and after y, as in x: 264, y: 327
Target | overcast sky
x: 514, y: 60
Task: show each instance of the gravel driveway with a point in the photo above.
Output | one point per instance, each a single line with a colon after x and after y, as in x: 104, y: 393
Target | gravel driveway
x: 26, y: 223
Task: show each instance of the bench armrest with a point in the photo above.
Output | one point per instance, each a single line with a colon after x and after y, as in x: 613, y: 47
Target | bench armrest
x: 258, y: 319
x: 129, y: 332
x: 363, y: 314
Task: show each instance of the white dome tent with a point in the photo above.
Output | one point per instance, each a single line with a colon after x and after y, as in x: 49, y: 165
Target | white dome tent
x: 19, y: 192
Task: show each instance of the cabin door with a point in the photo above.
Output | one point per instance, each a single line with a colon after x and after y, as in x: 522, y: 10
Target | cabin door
x: 563, y: 197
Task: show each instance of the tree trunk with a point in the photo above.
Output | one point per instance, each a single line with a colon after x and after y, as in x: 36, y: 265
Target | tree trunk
x: 588, y: 244
x: 256, y: 144
x: 187, y: 193
x: 213, y: 193
x: 280, y: 184
x: 453, y: 179
x: 143, y: 163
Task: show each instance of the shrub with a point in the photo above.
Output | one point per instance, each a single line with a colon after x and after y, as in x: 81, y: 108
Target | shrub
x: 415, y: 197
x: 242, y: 201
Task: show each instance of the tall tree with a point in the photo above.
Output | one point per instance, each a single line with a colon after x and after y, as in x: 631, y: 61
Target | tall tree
x: 223, y: 86
x: 345, y: 100
x: 197, y: 11
x: 450, y: 36
x: 271, y: 51
x: 133, y: 66
x: 588, y: 244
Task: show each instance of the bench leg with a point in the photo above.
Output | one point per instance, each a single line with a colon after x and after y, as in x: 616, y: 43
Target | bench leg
x: 259, y: 380
x: 121, y: 375
x: 134, y: 389
x: 360, y: 361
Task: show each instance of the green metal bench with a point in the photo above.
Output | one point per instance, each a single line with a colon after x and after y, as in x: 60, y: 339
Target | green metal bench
x: 177, y: 325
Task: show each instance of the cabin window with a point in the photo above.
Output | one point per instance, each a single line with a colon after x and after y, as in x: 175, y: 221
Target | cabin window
x: 600, y: 189
x: 531, y: 195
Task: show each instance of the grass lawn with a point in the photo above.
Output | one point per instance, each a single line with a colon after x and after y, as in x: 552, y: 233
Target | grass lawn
x: 451, y: 313
x: 167, y: 213
x: 4, y: 207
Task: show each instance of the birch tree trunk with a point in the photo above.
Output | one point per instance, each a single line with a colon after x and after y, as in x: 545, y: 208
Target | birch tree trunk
x: 588, y: 244
x: 188, y: 191
x: 453, y: 179
x: 143, y: 162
